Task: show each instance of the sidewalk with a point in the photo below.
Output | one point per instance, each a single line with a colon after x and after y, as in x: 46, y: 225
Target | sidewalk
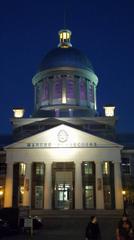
x: 47, y: 235
x: 70, y: 228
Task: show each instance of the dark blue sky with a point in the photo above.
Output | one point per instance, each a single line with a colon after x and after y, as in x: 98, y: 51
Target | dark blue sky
x: 103, y: 30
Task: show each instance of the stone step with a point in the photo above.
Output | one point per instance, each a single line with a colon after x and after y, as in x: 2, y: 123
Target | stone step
x: 75, y: 213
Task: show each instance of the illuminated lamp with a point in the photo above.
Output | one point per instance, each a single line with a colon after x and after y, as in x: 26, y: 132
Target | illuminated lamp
x: 123, y: 192
x: 1, y: 191
x: 124, y: 201
x: 22, y: 190
x: 18, y: 112
x: 109, y: 110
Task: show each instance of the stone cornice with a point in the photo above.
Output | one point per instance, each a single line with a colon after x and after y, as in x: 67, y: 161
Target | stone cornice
x: 65, y: 70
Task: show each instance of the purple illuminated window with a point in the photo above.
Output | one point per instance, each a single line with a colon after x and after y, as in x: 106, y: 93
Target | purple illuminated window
x: 44, y: 91
x: 70, y: 89
x: 82, y: 89
x: 91, y: 92
x: 57, y: 88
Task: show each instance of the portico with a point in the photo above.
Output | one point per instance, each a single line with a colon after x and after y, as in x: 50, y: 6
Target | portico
x: 72, y: 170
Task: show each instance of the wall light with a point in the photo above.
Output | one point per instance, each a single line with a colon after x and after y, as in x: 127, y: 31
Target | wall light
x: 109, y: 110
x: 1, y: 191
x: 18, y: 112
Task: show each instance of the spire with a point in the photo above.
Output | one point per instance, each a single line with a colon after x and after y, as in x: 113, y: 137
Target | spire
x: 64, y: 37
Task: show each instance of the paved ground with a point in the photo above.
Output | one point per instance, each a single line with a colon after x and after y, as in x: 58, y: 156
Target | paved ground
x: 72, y: 228
x: 60, y: 232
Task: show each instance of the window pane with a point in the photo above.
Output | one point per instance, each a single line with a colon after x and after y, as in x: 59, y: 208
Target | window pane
x: 106, y: 168
x: 57, y: 88
x: 88, y: 168
x: 39, y: 169
x: 38, y: 196
x: 107, y: 196
x: 70, y: 88
x: 89, y: 197
x: 82, y: 89
x: 22, y: 169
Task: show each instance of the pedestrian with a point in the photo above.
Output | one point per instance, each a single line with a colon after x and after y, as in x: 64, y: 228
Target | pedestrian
x: 92, y: 229
x: 124, y: 229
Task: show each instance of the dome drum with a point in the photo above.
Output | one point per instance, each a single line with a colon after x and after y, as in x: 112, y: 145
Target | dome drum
x: 64, y: 90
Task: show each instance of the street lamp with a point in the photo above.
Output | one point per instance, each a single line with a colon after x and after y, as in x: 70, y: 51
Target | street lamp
x: 124, y: 201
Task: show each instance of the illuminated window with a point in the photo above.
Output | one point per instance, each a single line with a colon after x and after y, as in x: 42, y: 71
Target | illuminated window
x: 89, y: 197
x: 88, y: 168
x: 22, y: 169
x: 106, y: 168
x: 82, y: 89
x: 38, y: 196
x: 57, y: 89
x: 70, y: 88
x: 64, y: 36
x: 39, y: 169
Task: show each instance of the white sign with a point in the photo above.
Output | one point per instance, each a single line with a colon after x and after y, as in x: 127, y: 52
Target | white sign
x: 63, y: 145
x: 28, y: 223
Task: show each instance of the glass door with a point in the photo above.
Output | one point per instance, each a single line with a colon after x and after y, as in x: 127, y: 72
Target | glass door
x: 63, y: 196
x: 89, y: 197
x: 63, y: 185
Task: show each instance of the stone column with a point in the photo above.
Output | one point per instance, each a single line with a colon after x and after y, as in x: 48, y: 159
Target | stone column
x: 78, y: 186
x: 48, y: 187
x: 27, y: 186
x: 9, y: 186
x: 118, y: 186
x: 99, y: 186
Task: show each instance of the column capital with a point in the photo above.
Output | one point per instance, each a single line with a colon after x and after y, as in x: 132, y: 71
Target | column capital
x: 48, y: 163
x: 98, y: 162
x: 78, y: 162
x: 116, y: 162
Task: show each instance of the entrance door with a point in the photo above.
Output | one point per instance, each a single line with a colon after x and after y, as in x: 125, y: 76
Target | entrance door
x: 63, y: 196
x: 63, y: 189
x: 89, y: 197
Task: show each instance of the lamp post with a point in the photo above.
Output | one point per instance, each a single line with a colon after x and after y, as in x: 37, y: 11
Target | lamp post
x: 124, y: 201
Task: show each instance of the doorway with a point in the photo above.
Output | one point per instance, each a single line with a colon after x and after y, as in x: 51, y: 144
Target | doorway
x: 63, y: 186
x: 63, y: 196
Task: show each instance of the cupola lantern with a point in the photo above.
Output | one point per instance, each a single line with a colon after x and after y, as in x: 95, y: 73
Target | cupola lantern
x: 64, y: 37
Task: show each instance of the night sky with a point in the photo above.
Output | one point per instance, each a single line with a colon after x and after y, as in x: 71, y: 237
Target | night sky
x: 103, y: 30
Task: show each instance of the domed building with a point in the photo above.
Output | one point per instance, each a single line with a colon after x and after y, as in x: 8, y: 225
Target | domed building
x: 65, y: 155
x: 65, y: 84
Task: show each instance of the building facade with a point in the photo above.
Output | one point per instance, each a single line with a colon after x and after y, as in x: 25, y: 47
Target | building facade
x: 65, y: 156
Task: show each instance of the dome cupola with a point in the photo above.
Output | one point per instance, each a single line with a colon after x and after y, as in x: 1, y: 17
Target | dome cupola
x: 65, y: 37
x: 65, y: 84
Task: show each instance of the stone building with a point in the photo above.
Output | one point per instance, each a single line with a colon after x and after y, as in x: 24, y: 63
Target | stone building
x: 65, y: 156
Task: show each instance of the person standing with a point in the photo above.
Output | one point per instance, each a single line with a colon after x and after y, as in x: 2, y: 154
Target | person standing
x: 93, y: 230
x: 124, y: 229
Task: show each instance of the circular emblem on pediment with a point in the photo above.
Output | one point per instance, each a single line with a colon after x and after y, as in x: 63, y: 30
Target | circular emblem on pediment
x: 62, y: 136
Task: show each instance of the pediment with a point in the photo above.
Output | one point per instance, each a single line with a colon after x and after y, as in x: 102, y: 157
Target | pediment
x: 63, y: 136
